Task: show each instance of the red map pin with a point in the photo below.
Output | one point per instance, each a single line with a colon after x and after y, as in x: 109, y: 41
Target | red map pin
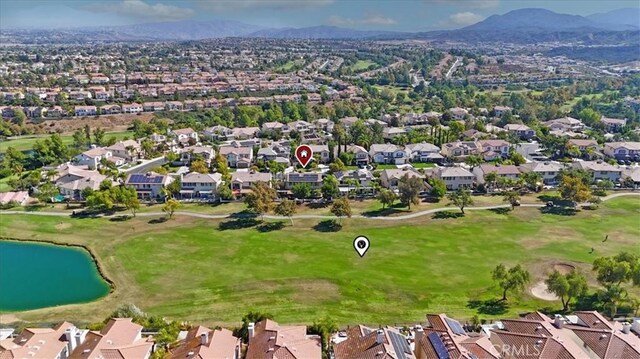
x: 304, y: 154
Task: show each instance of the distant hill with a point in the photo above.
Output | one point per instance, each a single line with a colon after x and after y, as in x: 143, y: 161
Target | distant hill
x: 536, y: 20
x: 618, y: 19
x: 185, y: 30
x: 321, y: 32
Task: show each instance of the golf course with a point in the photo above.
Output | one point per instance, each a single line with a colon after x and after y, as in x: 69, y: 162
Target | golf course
x: 213, y: 271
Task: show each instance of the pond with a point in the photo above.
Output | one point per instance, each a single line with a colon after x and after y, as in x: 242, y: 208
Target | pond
x: 38, y: 275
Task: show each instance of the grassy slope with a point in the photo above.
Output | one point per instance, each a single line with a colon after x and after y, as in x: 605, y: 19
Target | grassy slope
x: 189, y: 269
x: 26, y: 142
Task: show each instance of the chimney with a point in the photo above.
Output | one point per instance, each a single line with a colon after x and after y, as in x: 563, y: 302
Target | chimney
x: 636, y: 326
x: 380, y: 337
x: 252, y: 329
x: 418, y: 332
x: 237, y: 352
x: 80, y: 336
x: 204, y: 338
x: 626, y: 328
x: 558, y: 321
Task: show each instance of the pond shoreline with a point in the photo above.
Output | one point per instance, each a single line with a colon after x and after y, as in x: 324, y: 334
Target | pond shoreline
x: 94, y: 258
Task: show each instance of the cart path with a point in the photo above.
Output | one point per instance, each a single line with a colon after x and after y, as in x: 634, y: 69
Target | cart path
x: 310, y: 216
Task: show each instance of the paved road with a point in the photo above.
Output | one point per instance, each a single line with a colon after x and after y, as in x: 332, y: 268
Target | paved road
x: 313, y: 216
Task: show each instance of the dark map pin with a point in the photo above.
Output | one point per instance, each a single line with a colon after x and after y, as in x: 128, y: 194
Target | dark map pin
x: 361, y: 244
x: 304, y: 154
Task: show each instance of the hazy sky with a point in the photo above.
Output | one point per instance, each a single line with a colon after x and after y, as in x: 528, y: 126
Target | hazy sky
x: 404, y: 15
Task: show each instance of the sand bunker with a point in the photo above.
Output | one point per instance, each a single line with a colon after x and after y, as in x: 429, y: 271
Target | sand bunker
x: 540, y: 291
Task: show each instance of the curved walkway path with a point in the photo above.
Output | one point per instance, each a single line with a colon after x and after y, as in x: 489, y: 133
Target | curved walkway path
x: 315, y: 216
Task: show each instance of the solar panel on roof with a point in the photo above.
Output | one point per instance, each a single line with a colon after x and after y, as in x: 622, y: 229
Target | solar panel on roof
x: 455, y: 326
x: 438, y: 346
x: 472, y: 356
x: 400, y: 344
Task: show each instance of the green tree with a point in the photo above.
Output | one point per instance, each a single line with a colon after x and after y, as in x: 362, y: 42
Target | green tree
x: 461, y: 198
x: 409, y: 187
x: 341, y: 208
x: 511, y: 197
x: 100, y: 201
x: 222, y: 167
x: 128, y: 197
x: 79, y: 140
x: 531, y: 179
x: 617, y: 270
x: 386, y: 197
x: 199, y: 166
x: 286, y: 208
x: 438, y: 188
x: 512, y: 280
x: 170, y: 207
x: 251, y: 317
x: 261, y: 198
x: 567, y: 286
x: 301, y: 190
x: 19, y: 118
x: 572, y: 188
x: 98, y: 136
x: 337, y: 166
x: 330, y: 187
x: 473, y: 161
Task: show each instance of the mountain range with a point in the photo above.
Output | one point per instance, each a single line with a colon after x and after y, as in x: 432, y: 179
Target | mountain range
x: 522, y: 25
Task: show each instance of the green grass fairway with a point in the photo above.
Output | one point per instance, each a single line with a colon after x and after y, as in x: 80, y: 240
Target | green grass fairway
x: 191, y: 269
x: 25, y: 143
x: 362, y: 65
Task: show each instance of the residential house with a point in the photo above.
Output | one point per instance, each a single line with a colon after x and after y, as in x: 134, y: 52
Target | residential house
x: 241, y: 182
x: 129, y: 150
x: 71, y: 180
x: 365, y: 342
x: 458, y: 113
x: 94, y: 156
x: 43, y: 343
x: 523, y: 131
x: 325, y: 125
x: 361, y: 156
x: 390, y: 178
x: 237, y: 156
x: 153, y: 106
x: 148, y: 185
x: 460, y: 149
x: 584, y: 145
x: 632, y: 174
x: 565, y: 124
x: 173, y: 106
x: 120, y: 338
x: 269, y: 340
x: 455, y: 177
x: 389, y: 154
x: 110, y: 109
x: 313, y: 179
x: 363, y: 177
x: 445, y: 337
x: 613, y: 124
x: 185, y: 135
x: 599, y: 170
x: 322, y: 152
x: 502, y: 171
x: 301, y: 127
x: 202, y: 342
x: 274, y: 126
x: 501, y: 110
x: 244, y: 133
x: 204, y: 152
x: 424, y: 152
x: 19, y: 197
x: 200, y: 185
x: 623, y: 150
x: 218, y: 133
x: 85, y: 110
x: 389, y: 133
x: 347, y: 122
x: 56, y: 112
x: 493, y: 149
x: 132, y: 108
x: 547, y: 170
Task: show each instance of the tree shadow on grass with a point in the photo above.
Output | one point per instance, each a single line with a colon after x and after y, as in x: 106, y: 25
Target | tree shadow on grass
x: 238, y: 223
x: 396, y: 208
x: 561, y: 211
x: 318, y: 205
x: 502, y: 210
x: 447, y: 215
x: 271, y: 226
x: 158, y: 220
x: 122, y: 218
x: 245, y: 213
x: 329, y: 225
x: 557, y: 201
x: 489, y: 306
x: 35, y: 207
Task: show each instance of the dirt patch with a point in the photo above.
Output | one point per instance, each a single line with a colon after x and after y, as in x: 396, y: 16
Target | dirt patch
x: 9, y: 318
x: 314, y: 291
x: 540, y: 291
x: 109, y: 123
x: 564, y: 268
x: 61, y: 226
